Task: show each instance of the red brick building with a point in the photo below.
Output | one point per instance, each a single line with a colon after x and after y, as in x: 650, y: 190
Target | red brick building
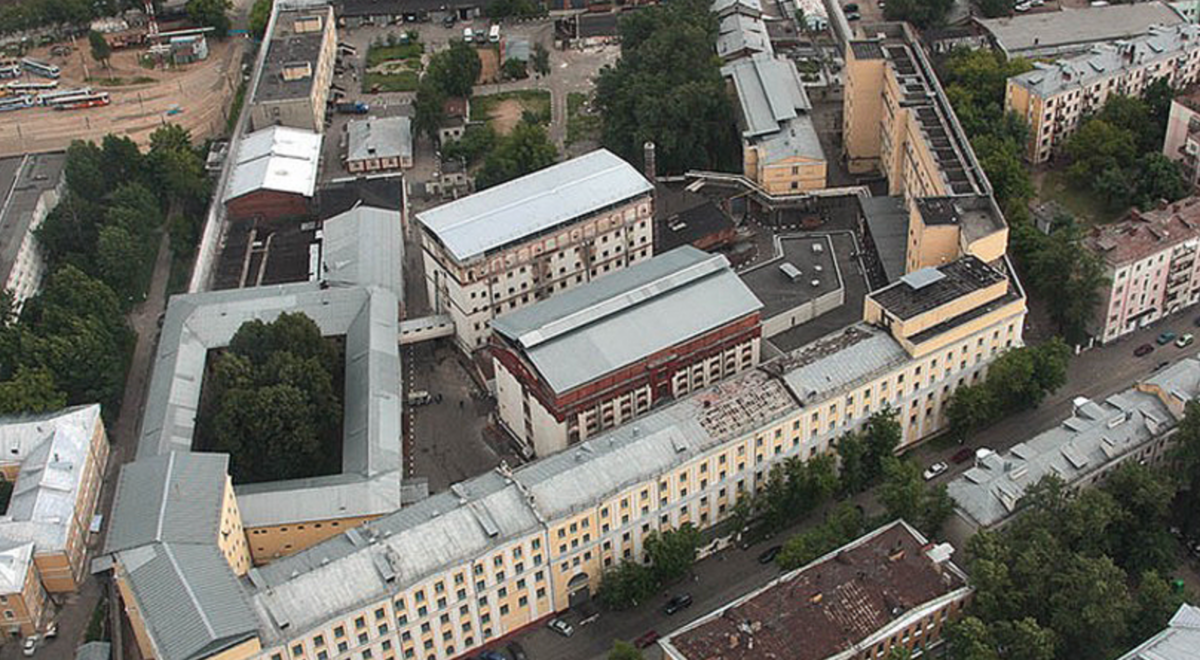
x: 274, y: 175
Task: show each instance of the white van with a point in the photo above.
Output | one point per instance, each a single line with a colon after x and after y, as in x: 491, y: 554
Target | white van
x: 494, y: 34
x: 468, y: 34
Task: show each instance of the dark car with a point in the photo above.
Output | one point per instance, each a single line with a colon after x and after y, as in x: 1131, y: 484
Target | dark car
x: 770, y: 554
x: 1144, y: 349
x: 963, y: 455
x: 850, y: 6
x: 677, y: 604
x: 448, y: 21
x: 1196, y: 322
x: 647, y: 638
x: 491, y: 655
x: 516, y: 651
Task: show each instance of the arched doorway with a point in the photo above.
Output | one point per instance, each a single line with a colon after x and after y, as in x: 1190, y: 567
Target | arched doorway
x: 579, y: 592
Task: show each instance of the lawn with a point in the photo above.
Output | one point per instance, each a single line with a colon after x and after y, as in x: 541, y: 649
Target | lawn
x: 1082, y: 203
x: 404, y: 81
x: 582, y: 122
x: 499, y: 109
x: 377, y: 55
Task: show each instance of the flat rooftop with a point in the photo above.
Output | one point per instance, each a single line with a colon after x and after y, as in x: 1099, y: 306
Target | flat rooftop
x: 816, y: 274
x: 23, y: 181
x: 827, y: 607
x: 887, y: 223
x: 534, y: 204
x: 293, y: 44
x: 1076, y: 28
x: 976, y: 215
x: 685, y: 217
x: 929, y: 288
x: 590, y: 331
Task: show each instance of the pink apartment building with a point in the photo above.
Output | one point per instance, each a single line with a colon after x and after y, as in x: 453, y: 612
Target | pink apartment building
x: 1150, y: 258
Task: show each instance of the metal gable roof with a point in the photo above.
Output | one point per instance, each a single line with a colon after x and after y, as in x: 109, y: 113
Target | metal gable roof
x: 379, y: 137
x: 534, y: 203
x: 276, y: 158
x: 174, y: 498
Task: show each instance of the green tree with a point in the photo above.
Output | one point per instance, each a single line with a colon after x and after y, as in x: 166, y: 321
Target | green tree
x: 31, y: 390
x: 881, y: 436
x: 852, y: 455
x: 626, y: 585
x: 969, y: 639
x: 119, y: 262
x: 1090, y: 606
x: 1025, y: 639
x: 995, y: 8
x: 667, y: 88
x: 101, y: 51
x: 428, y: 108
x: 843, y: 524
x: 1138, y: 537
x: 902, y: 489
x: 476, y: 142
x: 211, y: 13
x: 673, y: 552
x: 84, y: 170
x: 922, y: 13
x: 1156, y: 603
x: 970, y: 408
x: 260, y: 15
x: 1186, y: 466
x: 1157, y: 178
x: 170, y: 137
x: 454, y: 70
x: 540, y: 60
x: 526, y: 149
x: 515, y: 69
x: 624, y: 651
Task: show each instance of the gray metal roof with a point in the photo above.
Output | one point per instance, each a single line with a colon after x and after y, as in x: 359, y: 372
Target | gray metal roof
x: 887, y: 220
x: 1097, y: 435
x: 173, y: 498
x: 1055, y: 31
x: 15, y: 557
x: 28, y: 186
x: 363, y: 246
x: 841, y: 361
x: 379, y: 137
x: 190, y: 600
x: 1178, y: 641
x: 1105, y: 60
x: 94, y: 651
x: 769, y: 91
x: 535, y: 203
x: 739, y: 33
x: 276, y: 158
x: 42, y: 506
x: 583, y: 334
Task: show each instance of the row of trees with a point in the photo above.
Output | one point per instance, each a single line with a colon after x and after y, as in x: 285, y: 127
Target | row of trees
x: 212, y: 13
x: 667, y: 89
x: 271, y: 402
x: 669, y: 554
x: 450, y: 73
x: 32, y: 14
x: 70, y: 343
x: 1015, y: 381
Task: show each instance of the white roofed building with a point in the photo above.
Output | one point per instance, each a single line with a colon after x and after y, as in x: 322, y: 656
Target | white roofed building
x: 605, y: 352
x: 526, y: 240
x: 274, y: 175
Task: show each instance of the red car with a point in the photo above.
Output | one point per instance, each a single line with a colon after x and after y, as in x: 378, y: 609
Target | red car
x: 1144, y: 349
x: 963, y: 455
x: 647, y: 639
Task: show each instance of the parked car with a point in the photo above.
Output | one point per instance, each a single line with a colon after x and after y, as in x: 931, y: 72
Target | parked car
x: 419, y: 398
x: 853, y: 16
x: 1185, y: 340
x: 936, y: 469
x: 851, y: 6
x: 770, y: 554
x: 29, y: 646
x: 448, y: 21
x: 648, y: 638
x: 51, y: 631
x: 1144, y: 349
x: 561, y: 627
x: 1166, y: 337
x: 516, y: 651
x: 963, y: 455
x: 677, y: 603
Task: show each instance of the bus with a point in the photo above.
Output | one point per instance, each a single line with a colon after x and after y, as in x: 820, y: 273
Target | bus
x: 39, y: 68
x: 10, y: 68
x: 51, y: 98
x: 82, y: 101
x: 16, y: 103
x: 31, y: 86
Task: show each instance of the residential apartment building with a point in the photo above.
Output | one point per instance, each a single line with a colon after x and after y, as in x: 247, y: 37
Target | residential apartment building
x: 896, y: 120
x: 1151, y: 267
x: 30, y: 187
x: 1136, y: 424
x: 293, y: 85
x: 604, y: 353
x: 1051, y: 34
x: 526, y: 240
x: 1054, y: 97
x: 889, y: 589
x: 1182, y: 140
x: 58, y: 460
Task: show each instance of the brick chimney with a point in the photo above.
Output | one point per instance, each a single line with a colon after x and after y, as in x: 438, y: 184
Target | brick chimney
x: 649, y: 162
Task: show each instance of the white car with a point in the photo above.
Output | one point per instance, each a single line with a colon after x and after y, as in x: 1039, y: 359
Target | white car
x: 1023, y: 6
x: 561, y: 627
x: 29, y: 646
x: 935, y: 470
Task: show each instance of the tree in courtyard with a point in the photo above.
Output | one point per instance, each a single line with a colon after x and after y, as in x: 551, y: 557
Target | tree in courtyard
x: 455, y: 69
x: 101, y: 51
x: 622, y: 650
x: 526, y: 149
x: 922, y: 13
x: 31, y: 390
x: 673, y: 552
x: 211, y: 13
x: 540, y: 60
x: 515, y: 69
x: 428, y: 108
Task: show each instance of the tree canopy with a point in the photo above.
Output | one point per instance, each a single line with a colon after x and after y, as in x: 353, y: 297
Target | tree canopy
x: 922, y: 13
x: 527, y: 148
x: 213, y: 13
x: 670, y: 554
x: 667, y: 89
x: 271, y: 403
x: 1018, y: 379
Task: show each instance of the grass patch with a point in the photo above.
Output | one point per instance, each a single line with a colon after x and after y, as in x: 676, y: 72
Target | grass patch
x: 534, y: 101
x: 405, y: 81
x: 97, y: 628
x: 119, y: 82
x: 582, y: 123
x: 1082, y: 203
x: 235, y: 108
x: 377, y: 55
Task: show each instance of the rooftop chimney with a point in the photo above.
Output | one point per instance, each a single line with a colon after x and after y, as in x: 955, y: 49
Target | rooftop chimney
x: 650, y: 162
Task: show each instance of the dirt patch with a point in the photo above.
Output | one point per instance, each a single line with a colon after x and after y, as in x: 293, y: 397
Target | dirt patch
x: 506, y: 115
x: 141, y: 99
x: 490, y: 71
